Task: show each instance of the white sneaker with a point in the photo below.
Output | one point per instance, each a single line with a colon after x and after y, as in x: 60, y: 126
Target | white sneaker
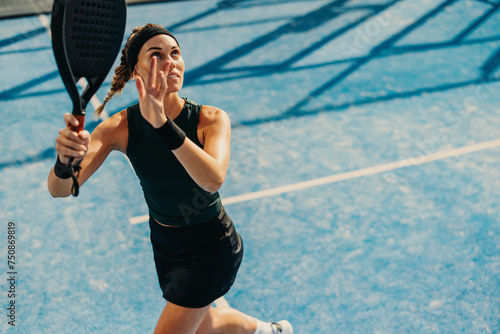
x: 282, y: 327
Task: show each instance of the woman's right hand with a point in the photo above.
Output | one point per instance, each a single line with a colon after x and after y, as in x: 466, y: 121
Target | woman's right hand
x: 152, y: 93
x: 70, y: 144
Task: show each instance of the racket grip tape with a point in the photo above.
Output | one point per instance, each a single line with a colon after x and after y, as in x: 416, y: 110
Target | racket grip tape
x: 81, y: 122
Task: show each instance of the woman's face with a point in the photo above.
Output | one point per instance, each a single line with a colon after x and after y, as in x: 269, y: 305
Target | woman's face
x: 165, y: 49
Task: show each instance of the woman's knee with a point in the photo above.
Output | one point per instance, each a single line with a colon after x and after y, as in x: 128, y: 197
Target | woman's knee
x: 209, y: 323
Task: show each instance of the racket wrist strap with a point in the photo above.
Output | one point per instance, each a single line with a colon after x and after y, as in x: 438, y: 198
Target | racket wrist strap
x: 171, y: 134
x: 63, y: 171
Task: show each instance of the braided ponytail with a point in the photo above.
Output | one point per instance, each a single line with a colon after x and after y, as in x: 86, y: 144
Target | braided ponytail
x: 123, y: 73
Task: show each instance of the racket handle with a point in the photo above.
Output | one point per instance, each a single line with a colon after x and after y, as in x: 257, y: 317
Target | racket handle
x: 81, y: 122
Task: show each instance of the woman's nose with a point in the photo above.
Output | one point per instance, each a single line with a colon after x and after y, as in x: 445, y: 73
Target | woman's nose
x: 171, y: 64
x: 168, y: 65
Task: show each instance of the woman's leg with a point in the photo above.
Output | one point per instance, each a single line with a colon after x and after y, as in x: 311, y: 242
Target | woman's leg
x: 225, y: 320
x: 180, y: 320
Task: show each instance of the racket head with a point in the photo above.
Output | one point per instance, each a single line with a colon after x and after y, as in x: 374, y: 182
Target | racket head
x: 92, y: 35
x: 58, y: 47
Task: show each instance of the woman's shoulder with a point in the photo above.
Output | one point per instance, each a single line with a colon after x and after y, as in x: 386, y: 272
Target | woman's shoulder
x: 213, y: 121
x: 118, y: 120
x: 114, y: 131
x: 211, y: 114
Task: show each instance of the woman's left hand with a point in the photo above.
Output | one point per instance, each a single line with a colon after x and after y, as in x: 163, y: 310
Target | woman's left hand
x: 152, y: 93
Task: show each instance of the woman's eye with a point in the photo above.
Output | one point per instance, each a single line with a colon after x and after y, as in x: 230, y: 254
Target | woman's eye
x: 176, y: 53
x: 156, y: 54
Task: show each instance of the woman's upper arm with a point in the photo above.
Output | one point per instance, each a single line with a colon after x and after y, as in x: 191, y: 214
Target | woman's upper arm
x: 216, y: 134
x: 111, y: 134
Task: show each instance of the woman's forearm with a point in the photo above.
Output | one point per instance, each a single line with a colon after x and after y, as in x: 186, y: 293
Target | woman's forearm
x: 58, y: 187
x: 205, y: 170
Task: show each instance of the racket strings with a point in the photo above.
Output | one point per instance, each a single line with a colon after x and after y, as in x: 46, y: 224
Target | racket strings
x: 95, y: 27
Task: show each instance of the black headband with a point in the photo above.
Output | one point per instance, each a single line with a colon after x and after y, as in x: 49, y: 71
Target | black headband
x: 142, y: 37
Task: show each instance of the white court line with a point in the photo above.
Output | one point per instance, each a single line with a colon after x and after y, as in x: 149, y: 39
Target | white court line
x: 44, y: 20
x: 350, y: 175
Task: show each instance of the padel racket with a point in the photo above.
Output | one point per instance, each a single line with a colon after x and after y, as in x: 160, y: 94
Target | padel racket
x: 86, y: 38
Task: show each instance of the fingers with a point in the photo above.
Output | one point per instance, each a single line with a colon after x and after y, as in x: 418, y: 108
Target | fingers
x: 152, y: 72
x: 166, y: 66
x: 85, y: 136
x: 158, y: 77
x: 164, y: 73
x: 70, y: 144
x: 155, y: 81
x: 139, y: 83
x: 163, y: 81
x: 70, y: 120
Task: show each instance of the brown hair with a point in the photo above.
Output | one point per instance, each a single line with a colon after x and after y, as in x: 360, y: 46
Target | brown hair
x: 123, y: 73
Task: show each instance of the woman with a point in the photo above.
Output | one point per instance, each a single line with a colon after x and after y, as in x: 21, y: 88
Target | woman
x: 180, y: 152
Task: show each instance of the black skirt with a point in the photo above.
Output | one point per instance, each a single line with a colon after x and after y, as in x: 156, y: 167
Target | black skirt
x: 196, y: 264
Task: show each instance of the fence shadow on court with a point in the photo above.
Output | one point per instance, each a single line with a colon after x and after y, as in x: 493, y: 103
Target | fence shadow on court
x: 307, y: 22
x: 314, y: 20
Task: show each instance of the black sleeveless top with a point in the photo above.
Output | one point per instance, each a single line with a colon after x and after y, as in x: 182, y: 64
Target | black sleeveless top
x: 172, y: 196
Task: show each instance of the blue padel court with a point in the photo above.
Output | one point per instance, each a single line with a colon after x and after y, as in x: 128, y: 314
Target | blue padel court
x: 364, y: 174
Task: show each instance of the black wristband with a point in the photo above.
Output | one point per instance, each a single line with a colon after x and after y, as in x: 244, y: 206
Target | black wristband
x: 171, y: 134
x: 61, y: 170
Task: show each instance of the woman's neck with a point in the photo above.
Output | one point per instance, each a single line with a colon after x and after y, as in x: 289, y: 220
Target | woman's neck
x: 172, y: 105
